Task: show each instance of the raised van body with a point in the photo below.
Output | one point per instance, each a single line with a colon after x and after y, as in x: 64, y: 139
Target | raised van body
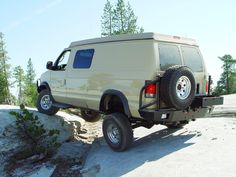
x: 134, y: 80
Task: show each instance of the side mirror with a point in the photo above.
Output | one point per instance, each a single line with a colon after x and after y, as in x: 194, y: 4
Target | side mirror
x: 49, y: 65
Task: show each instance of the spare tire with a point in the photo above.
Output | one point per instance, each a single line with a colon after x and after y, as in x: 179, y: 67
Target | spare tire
x: 177, y: 87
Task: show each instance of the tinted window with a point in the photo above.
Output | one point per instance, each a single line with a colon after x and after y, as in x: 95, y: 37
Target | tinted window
x: 192, y: 58
x: 169, y: 56
x: 83, y: 58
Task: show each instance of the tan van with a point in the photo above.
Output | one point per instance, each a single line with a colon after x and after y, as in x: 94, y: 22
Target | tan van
x: 133, y: 80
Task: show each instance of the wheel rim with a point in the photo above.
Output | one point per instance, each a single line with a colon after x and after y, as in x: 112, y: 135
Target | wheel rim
x: 183, y: 87
x: 46, y: 102
x: 113, y: 133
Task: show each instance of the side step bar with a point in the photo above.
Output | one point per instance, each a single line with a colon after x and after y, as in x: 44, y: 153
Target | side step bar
x: 62, y: 105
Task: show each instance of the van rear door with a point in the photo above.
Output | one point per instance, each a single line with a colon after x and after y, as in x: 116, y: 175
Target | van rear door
x: 192, y: 58
x: 171, y: 54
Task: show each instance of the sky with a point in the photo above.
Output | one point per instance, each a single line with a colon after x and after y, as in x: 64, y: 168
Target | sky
x: 41, y: 29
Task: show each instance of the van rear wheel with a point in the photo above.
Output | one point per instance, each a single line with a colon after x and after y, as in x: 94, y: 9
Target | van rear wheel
x: 117, y: 131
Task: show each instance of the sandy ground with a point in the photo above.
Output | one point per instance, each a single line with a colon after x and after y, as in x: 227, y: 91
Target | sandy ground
x: 203, y: 148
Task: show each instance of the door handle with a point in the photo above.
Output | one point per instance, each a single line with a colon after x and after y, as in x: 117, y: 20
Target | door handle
x: 64, y: 81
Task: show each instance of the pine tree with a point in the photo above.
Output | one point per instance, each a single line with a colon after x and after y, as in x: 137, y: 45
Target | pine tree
x: 120, y: 20
x: 30, y: 91
x: 131, y: 21
x: 30, y: 73
x: 19, y: 80
x: 5, y: 96
x: 227, y: 82
x: 107, y: 22
x: 120, y: 17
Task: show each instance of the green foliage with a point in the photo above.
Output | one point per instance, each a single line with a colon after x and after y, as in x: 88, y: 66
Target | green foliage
x: 26, y: 85
x: 30, y: 73
x: 5, y: 96
x: 31, y: 95
x: 119, y: 20
x: 227, y: 82
x: 2, y: 89
x: 34, y: 134
x: 107, y: 22
x: 30, y: 90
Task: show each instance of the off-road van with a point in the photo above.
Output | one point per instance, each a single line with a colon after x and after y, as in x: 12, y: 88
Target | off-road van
x: 132, y: 80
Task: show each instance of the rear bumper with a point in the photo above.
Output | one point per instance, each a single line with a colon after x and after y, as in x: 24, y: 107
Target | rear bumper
x: 198, y: 108
x: 206, y: 101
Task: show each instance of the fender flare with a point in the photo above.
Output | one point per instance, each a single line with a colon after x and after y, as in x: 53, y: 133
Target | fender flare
x: 120, y: 95
x: 42, y: 85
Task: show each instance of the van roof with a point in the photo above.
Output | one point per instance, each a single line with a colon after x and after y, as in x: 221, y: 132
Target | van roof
x: 141, y: 36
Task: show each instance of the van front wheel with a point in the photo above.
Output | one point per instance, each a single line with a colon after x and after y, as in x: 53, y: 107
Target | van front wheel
x: 44, y: 103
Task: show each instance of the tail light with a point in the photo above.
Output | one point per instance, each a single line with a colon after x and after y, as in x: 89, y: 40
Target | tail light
x: 207, y: 87
x: 150, y: 90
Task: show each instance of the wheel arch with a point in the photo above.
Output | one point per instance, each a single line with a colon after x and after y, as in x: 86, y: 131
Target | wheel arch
x: 106, y: 97
x: 42, y: 86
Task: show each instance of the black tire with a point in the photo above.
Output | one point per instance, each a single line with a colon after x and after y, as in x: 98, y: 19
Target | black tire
x: 89, y: 115
x: 117, y: 131
x: 44, y: 103
x: 176, y: 125
x: 178, y: 87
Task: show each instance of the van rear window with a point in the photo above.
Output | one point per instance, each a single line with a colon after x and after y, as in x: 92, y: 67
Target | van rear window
x: 192, y: 58
x: 83, y: 58
x: 169, y: 55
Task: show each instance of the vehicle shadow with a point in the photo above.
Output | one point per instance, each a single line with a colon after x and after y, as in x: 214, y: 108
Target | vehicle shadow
x: 151, y: 147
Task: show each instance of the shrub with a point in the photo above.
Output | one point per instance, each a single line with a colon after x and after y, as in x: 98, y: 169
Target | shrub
x: 32, y: 132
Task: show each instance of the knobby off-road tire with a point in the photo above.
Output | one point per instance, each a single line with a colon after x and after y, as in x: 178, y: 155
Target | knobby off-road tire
x: 178, y: 87
x: 44, y: 103
x: 89, y: 115
x: 117, y: 131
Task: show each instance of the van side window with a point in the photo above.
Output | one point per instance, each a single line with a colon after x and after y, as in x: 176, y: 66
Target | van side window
x: 169, y: 55
x: 192, y: 58
x: 83, y: 58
